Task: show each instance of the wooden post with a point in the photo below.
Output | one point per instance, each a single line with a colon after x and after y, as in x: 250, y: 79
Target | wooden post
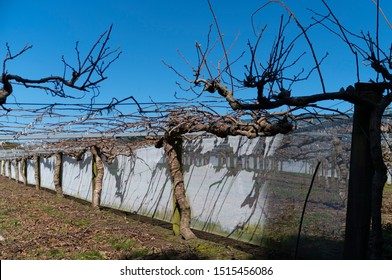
x: 98, y: 170
x: 37, y: 170
x: 360, y: 185
x: 57, y: 174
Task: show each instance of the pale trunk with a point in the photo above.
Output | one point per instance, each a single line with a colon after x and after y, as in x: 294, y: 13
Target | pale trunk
x: 37, y: 172
x: 98, y: 178
x: 16, y: 168
x: 23, y: 166
x: 57, y: 174
x: 179, y: 188
x: 9, y: 169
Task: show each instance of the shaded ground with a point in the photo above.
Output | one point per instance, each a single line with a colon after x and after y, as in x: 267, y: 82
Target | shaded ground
x: 40, y: 225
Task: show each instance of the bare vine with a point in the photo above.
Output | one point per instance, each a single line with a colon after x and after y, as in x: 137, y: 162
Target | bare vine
x: 86, y: 76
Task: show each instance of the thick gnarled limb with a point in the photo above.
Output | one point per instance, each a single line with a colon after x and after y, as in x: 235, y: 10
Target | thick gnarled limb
x: 179, y: 187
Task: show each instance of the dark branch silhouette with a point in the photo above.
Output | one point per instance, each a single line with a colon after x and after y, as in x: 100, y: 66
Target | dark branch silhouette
x: 84, y: 77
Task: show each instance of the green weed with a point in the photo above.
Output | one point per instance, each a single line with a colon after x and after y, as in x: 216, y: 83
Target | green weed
x: 89, y: 255
x: 139, y: 254
x: 57, y: 253
x: 121, y: 244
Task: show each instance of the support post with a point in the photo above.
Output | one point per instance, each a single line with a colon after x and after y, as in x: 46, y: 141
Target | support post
x: 360, y: 184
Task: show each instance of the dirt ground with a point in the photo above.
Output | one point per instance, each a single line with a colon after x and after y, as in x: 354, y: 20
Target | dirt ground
x: 39, y: 225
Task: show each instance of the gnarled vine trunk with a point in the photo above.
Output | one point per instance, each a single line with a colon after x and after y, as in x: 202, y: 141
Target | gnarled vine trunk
x: 179, y: 187
x: 23, y: 167
x: 98, y: 170
x: 16, y: 169
x: 9, y: 169
x: 37, y: 172
x: 57, y: 174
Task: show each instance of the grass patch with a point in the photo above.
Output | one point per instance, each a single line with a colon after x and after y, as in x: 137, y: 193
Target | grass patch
x: 4, y: 212
x: 57, y: 254
x: 9, y: 223
x: 139, y: 254
x: 121, y: 244
x: 207, y: 249
x: 82, y: 222
x: 89, y: 255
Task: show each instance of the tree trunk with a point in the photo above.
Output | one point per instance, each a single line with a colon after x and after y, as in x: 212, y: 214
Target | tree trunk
x: 57, y: 174
x: 16, y: 169
x: 176, y: 219
x: 342, y: 169
x: 37, y: 171
x: 23, y: 167
x: 179, y: 189
x: 9, y: 169
x: 98, y: 170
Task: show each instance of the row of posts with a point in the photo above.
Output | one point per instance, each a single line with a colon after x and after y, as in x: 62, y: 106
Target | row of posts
x: 97, y: 173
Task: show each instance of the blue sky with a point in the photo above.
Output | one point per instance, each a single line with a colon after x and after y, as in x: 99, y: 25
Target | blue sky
x: 151, y: 31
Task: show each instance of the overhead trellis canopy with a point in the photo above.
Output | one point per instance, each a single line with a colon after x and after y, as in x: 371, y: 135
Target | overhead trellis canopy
x: 25, y: 122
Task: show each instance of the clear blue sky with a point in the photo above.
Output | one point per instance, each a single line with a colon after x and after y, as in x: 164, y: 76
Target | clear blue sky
x: 151, y: 31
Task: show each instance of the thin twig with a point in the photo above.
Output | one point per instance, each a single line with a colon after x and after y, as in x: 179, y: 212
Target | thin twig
x: 304, y: 208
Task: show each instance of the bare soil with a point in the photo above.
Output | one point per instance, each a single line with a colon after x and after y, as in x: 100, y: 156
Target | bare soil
x: 37, y: 224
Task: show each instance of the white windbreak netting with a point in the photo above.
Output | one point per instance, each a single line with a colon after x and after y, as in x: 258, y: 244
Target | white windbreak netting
x: 76, y: 177
x: 46, y: 169
x: 237, y: 187
x: 30, y: 172
x: 138, y: 184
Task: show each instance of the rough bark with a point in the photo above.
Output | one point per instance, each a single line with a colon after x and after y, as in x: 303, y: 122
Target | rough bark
x: 57, y: 174
x: 23, y: 167
x: 342, y: 169
x: 37, y: 171
x: 97, y: 177
x: 378, y: 182
x: 179, y: 188
x: 9, y: 169
x: 16, y: 169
